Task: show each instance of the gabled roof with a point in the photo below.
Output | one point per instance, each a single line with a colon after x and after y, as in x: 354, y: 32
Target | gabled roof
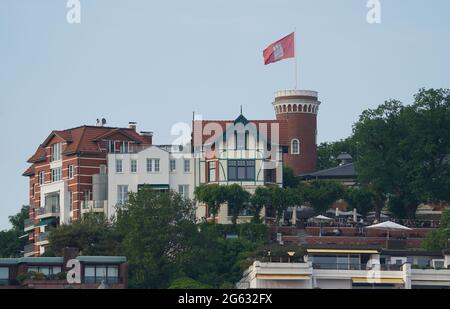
x: 39, y: 156
x: 30, y: 171
x: 226, y: 124
x: 339, y: 172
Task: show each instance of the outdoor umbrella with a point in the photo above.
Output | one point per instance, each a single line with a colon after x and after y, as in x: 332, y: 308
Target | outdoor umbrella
x: 321, y: 219
x: 389, y: 226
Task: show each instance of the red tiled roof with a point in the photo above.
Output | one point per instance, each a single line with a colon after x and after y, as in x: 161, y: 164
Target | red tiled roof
x: 29, y: 172
x: 38, y: 156
x: 225, y: 124
x: 85, y: 139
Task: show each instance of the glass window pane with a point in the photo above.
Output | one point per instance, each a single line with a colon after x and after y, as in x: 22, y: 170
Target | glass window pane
x: 4, y: 273
x: 89, y: 271
x: 113, y: 271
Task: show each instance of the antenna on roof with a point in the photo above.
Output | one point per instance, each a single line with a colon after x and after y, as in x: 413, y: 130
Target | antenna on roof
x: 241, y: 109
x: 103, y: 122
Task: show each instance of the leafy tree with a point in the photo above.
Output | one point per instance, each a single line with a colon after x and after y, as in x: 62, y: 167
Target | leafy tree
x: 327, y: 153
x: 322, y: 193
x: 212, y: 195
x: 158, y: 230
x: 259, y: 200
x: 10, y: 243
x: 438, y: 239
x: 402, y: 151
x: 237, y: 199
x: 186, y: 283
x: 360, y: 198
x: 92, y: 235
x: 289, y: 179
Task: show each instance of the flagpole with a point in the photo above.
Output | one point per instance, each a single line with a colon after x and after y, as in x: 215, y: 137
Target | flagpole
x: 295, y: 62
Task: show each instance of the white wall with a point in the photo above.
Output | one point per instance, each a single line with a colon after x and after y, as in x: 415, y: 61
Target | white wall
x: 133, y: 180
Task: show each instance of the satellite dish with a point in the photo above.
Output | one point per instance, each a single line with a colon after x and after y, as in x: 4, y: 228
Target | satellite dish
x: 103, y: 121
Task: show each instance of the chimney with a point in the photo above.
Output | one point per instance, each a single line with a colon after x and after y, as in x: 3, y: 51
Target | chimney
x: 132, y: 125
x: 148, y: 136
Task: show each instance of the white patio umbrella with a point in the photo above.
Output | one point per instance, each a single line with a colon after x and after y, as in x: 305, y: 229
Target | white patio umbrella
x: 389, y: 226
x: 321, y: 219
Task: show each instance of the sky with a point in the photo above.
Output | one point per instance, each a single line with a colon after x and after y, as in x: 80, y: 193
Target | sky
x: 157, y: 61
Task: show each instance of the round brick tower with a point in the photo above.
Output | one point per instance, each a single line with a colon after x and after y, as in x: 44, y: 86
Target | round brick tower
x: 296, y: 111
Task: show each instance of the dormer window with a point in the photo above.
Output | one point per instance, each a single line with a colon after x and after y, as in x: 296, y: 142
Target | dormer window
x: 295, y: 147
x: 56, y: 152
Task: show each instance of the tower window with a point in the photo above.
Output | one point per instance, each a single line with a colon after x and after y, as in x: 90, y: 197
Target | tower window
x: 295, y: 147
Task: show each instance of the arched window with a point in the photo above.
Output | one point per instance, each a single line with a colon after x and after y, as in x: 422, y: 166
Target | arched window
x: 295, y: 147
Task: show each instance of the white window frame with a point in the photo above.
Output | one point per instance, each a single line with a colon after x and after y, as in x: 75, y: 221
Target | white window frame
x: 173, y: 165
x: 70, y: 201
x: 187, y: 165
x: 157, y: 166
x: 149, y: 165
x: 56, y: 174
x: 119, y: 170
x: 293, y: 150
x: 56, y: 152
x: 71, y: 171
x: 134, y: 166
x: 41, y: 178
x: 122, y: 194
x: 183, y: 190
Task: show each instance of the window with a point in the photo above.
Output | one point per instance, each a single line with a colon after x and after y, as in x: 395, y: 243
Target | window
x: 124, y: 147
x: 173, y: 165
x: 212, y: 167
x: 187, y: 166
x: 133, y: 164
x: 111, y: 147
x: 52, y: 202
x: 149, y: 165
x: 184, y: 190
x: 70, y: 201
x: 71, y: 171
x: 41, y: 178
x: 56, y: 174
x: 157, y: 165
x: 241, y: 170
x: 46, y: 270
x: 4, y: 274
x: 98, y: 273
x: 122, y: 194
x: 119, y: 167
x: 295, y: 147
x: 56, y: 152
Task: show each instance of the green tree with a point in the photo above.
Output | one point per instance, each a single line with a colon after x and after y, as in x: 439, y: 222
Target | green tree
x: 289, y: 179
x: 10, y: 243
x: 321, y: 194
x: 360, y: 198
x: 402, y: 151
x: 158, y: 230
x: 186, y: 283
x: 92, y: 235
x: 259, y: 200
x: 327, y: 153
x: 213, y: 195
x: 237, y: 199
x: 438, y: 239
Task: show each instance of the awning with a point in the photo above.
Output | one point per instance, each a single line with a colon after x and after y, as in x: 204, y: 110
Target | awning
x: 45, y: 222
x: 342, y: 251
x: 378, y: 280
x: 282, y: 277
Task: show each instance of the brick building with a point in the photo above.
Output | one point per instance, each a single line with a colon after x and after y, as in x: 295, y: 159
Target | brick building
x: 62, y: 172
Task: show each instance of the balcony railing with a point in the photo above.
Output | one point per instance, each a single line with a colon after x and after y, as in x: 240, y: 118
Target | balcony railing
x: 28, y: 224
x: 43, y: 237
x: 106, y: 280
x: 47, y: 211
x: 93, y: 206
x: 383, y: 267
x: 28, y: 250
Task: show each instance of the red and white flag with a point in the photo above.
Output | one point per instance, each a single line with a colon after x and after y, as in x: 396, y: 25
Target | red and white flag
x: 282, y: 49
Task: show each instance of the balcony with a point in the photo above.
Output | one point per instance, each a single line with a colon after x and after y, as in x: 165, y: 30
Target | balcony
x: 28, y: 250
x: 28, y: 225
x: 42, y: 239
x: 93, y: 207
x: 47, y: 212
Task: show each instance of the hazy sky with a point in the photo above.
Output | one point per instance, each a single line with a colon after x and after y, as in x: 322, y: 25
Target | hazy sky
x: 155, y: 62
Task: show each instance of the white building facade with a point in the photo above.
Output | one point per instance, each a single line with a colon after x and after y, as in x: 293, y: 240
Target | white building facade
x: 157, y: 167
